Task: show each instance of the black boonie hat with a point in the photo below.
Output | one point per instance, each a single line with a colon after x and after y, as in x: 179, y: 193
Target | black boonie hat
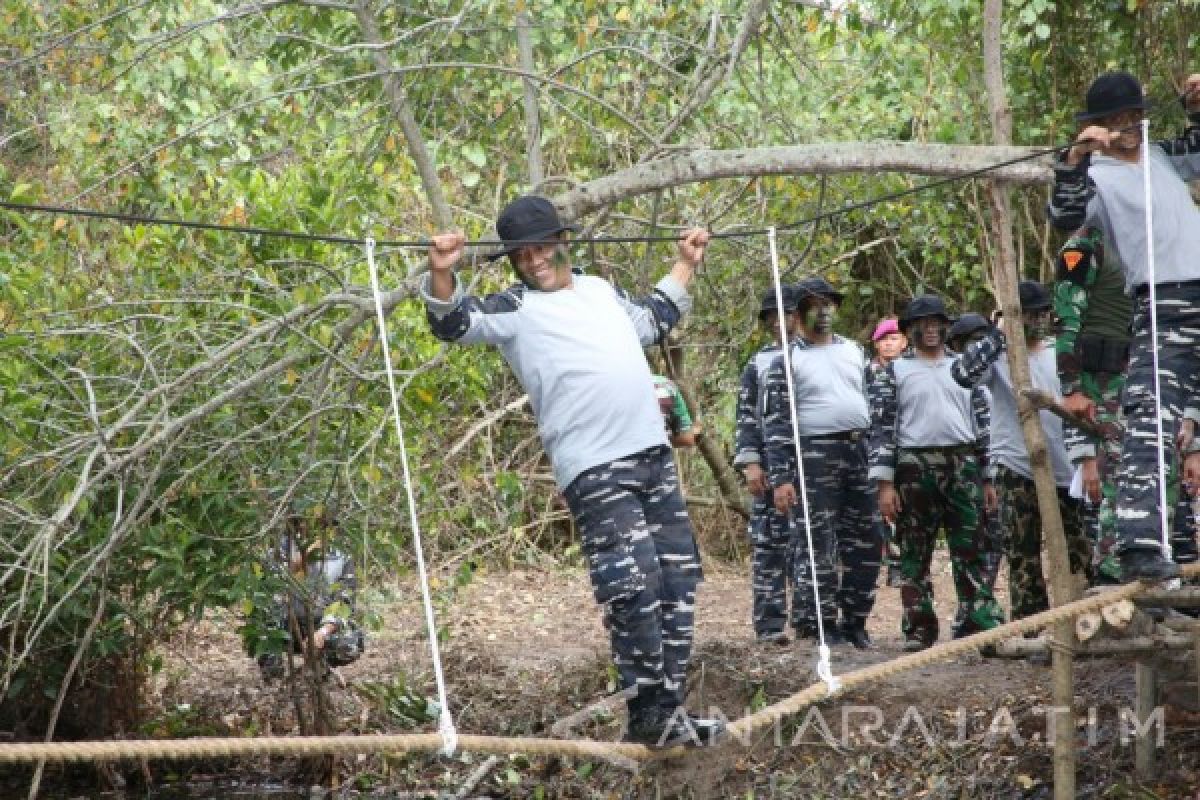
x: 817, y: 287
x: 769, y: 304
x: 527, y: 220
x: 1110, y: 93
x: 927, y: 305
x: 1034, y: 296
x: 966, y: 325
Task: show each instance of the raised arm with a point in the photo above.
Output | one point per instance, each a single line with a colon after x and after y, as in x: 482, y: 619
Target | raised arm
x: 973, y: 367
x: 456, y: 317
x: 1184, y: 151
x: 658, y: 312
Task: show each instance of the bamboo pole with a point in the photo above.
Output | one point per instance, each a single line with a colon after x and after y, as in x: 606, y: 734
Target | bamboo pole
x: 1006, y: 278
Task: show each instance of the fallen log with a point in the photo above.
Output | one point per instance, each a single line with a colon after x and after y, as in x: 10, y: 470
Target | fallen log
x: 1023, y: 648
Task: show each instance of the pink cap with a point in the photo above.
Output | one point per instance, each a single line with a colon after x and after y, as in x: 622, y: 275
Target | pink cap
x: 885, y: 327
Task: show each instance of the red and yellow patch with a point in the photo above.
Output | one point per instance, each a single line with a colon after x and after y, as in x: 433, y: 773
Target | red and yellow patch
x: 1072, y: 259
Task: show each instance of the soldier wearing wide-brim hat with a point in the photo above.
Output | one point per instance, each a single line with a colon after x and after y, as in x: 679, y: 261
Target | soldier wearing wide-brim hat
x: 1100, y: 182
x: 928, y: 460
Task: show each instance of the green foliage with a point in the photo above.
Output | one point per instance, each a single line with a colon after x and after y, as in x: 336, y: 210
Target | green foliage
x: 395, y: 703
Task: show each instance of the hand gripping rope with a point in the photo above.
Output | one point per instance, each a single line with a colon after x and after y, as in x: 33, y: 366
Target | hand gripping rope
x: 1163, y: 510
x: 445, y: 721
x: 824, y: 668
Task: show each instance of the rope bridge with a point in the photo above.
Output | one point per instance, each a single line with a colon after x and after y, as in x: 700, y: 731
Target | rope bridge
x: 742, y: 729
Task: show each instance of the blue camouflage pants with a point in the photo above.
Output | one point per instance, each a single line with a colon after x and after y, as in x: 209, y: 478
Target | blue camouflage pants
x: 841, y: 515
x: 644, y: 567
x: 770, y: 544
x: 1138, y: 521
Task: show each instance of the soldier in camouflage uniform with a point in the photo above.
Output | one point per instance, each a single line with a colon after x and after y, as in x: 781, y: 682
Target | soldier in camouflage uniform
x: 315, y: 614
x: 1099, y: 183
x: 681, y: 430
x: 889, y: 344
x: 925, y: 457
x: 1021, y: 518
x: 770, y: 532
x: 575, y: 344
x: 830, y: 403
x: 1093, y: 356
x: 968, y: 328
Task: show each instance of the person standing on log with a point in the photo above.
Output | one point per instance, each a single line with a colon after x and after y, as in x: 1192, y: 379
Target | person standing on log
x: 1099, y: 182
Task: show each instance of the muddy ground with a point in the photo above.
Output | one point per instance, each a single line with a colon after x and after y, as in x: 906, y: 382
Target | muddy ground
x: 525, y: 653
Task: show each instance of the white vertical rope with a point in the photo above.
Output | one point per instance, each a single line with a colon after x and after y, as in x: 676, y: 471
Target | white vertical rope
x: 824, y: 668
x: 1163, y: 510
x: 445, y: 721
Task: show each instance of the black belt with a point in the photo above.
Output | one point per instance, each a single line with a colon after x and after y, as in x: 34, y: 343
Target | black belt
x: 1143, y: 289
x: 966, y: 447
x: 837, y: 436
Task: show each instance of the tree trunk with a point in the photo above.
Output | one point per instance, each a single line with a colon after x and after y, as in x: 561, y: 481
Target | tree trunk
x: 1006, y: 279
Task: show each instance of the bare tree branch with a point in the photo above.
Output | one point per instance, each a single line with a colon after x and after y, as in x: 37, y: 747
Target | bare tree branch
x: 942, y: 160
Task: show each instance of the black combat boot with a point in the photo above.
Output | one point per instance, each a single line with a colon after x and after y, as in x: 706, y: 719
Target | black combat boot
x: 1147, y: 564
x: 855, y: 633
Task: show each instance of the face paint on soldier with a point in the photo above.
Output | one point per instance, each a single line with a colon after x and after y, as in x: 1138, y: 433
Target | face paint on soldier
x: 819, y: 315
x: 929, y: 333
x: 1036, y: 325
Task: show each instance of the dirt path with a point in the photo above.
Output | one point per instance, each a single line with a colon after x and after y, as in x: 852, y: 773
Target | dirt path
x: 525, y: 652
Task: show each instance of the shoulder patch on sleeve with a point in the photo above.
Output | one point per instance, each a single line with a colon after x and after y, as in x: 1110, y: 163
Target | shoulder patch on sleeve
x: 1074, y: 263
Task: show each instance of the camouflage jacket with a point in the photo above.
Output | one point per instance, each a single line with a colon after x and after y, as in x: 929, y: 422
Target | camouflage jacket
x: 749, y: 445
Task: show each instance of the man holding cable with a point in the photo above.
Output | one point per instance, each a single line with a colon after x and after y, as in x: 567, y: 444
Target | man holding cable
x: 1099, y: 182
x: 575, y: 344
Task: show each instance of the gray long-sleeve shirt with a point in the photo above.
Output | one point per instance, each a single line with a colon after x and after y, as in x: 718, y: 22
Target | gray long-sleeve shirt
x: 918, y: 403
x: 1008, y: 440
x: 829, y: 381
x: 577, y: 352
x: 1109, y: 194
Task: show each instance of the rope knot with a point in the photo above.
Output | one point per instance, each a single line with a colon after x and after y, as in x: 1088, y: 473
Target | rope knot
x: 825, y: 670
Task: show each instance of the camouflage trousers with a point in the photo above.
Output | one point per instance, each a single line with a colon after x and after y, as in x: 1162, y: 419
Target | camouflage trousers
x: 1101, y: 520
x: 846, y: 549
x: 991, y: 553
x: 1021, y: 520
x: 770, y: 538
x: 1138, y: 521
x: 644, y: 567
x: 941, y: 488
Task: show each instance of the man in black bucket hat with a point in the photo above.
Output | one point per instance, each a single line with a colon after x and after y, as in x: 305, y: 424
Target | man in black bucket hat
x: 1099, y: 182
x: 575, y: 344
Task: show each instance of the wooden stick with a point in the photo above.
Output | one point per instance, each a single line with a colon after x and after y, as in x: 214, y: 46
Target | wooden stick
x: 1046, y: 402
x: 1145, y: 682
x: 1020, y: 648
x: 1187, y: 597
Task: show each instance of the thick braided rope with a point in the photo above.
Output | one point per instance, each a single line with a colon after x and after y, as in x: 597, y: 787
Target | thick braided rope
x: 878, y: 672
x: 186, y: 749
x: 183, y: 749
